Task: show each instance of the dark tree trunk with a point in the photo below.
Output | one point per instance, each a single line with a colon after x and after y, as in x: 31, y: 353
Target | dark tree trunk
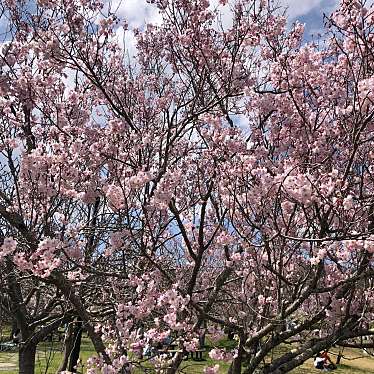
x: 338, y: 359
x: 340, y: 355
x: 74, y: 356
x: 27, y: 359
x: 13, y: 332
x: 68, y: 345
x: 66, y: 287
x: 203, y: 335
x: 236, y: 365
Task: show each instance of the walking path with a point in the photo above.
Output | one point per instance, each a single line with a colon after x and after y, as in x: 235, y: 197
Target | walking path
x: 8, y: 362
x: 5, y: 366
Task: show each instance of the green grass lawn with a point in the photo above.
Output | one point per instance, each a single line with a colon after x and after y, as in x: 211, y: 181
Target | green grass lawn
x: 49, y: 357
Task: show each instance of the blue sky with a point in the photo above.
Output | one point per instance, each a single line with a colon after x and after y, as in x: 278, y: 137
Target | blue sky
x: 312, y: 9
x: 310, y: 12
x: 307, y: 11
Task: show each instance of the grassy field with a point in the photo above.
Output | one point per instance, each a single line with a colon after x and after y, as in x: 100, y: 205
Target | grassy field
x: 363, y: 365
x: 48, y: 359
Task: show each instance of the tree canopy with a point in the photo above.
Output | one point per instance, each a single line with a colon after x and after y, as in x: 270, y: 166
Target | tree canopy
x: 221, y: 178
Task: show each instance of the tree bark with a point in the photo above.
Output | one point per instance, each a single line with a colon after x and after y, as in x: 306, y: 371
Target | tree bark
x: 74, y: 356
x: 338, y: 359
x: 68, y: 345
x: 27, y: 355
x: 13, y: 332
x: 236, y: 365
x: 67, y: 289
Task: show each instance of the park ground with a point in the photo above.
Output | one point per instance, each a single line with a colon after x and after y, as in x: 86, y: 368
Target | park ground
x: 49, y: 356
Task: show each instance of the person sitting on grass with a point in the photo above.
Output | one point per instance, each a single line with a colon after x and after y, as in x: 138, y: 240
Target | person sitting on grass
x: 323, y: 362
x: 328, y: 364
x: 319, y: 362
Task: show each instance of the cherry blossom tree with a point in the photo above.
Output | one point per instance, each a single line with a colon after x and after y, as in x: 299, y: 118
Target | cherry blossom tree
x: 219, y: 179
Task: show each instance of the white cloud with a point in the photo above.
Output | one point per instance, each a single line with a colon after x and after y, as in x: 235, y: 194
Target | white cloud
x: 139, y: 12
x: 136, y: 12
x: 226, y: 15
x: 297, y: 8
x: 127, y: 42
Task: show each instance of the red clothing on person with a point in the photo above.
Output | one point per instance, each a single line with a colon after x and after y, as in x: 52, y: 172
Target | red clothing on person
x: 326, y: 357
